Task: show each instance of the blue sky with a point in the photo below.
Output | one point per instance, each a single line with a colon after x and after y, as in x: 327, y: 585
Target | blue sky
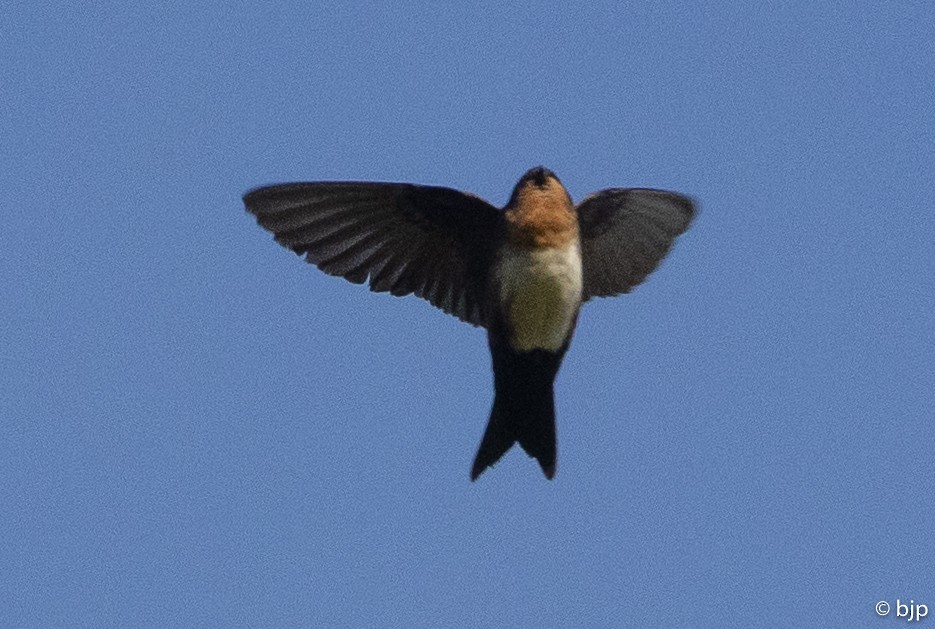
x: 201, y: 430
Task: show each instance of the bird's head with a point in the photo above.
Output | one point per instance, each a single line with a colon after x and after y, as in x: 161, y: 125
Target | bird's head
x: 538, y: 182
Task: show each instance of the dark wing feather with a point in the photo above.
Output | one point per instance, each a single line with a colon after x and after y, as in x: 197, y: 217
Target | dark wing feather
x: 625, y: 233
x: 433, y: 242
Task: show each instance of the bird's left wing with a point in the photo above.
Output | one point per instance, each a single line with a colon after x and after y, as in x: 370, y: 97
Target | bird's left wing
x: 401, y: 238
x: 625, y: 233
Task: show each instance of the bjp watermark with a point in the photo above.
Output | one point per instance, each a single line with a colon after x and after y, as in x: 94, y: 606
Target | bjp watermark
x: 910, y: 612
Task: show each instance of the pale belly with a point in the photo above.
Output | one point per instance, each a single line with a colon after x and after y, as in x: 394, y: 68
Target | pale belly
x: 540, y: 293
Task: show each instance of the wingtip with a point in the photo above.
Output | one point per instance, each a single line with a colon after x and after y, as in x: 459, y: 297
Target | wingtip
x: 249, y: 196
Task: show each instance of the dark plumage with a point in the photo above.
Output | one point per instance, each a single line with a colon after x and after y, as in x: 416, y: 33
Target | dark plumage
x: 521, y: 272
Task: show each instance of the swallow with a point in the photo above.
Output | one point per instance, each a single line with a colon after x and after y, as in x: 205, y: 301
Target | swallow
x: 521, y: 272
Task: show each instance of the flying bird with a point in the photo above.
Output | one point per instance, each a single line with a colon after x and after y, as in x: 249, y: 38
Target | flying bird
x: 522, y: 272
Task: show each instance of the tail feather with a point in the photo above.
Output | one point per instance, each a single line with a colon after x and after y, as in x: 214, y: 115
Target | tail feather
x: 537, y: 437
x: 498, y: 438
x: 531, y: 423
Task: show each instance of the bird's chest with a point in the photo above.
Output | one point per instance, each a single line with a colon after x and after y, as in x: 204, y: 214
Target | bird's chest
x: 539, y: 295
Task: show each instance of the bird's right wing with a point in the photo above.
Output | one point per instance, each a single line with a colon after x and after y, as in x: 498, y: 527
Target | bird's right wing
x: 436, y: 243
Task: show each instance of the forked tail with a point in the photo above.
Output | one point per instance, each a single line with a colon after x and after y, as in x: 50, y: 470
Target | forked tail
x: 527, y: 418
